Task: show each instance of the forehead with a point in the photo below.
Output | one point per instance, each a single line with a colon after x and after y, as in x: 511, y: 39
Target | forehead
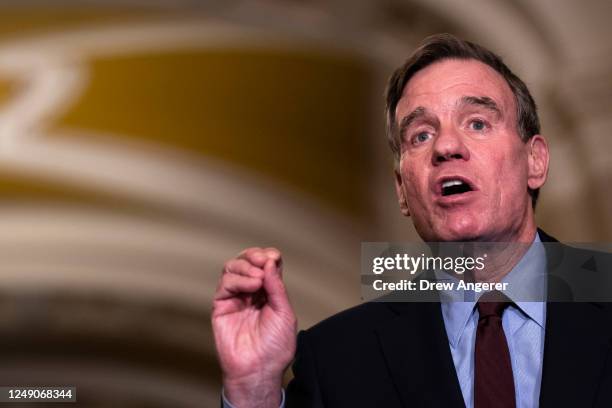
x: 439, y: 86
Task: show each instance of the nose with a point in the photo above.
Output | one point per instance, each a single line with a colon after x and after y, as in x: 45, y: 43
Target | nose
x: 449, y: 145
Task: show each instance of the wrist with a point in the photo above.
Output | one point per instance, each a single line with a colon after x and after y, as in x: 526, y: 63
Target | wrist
x: 255, y: 391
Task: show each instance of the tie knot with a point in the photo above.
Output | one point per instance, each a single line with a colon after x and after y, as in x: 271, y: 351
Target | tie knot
x: 492, y: 304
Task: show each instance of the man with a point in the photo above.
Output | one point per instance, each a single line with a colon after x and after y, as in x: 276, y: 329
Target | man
x: 469, y: 164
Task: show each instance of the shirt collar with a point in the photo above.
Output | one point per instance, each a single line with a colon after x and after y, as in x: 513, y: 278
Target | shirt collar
x: 532, y: 265
x: 527, y: 282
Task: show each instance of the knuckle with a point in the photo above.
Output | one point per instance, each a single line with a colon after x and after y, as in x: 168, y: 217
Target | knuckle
x: 227, y: 266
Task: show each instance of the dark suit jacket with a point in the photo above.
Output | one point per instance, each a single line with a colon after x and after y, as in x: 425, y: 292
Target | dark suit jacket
x: 396, y: 355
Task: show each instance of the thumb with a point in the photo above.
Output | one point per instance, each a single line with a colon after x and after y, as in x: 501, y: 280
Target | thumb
x: 275, y: 287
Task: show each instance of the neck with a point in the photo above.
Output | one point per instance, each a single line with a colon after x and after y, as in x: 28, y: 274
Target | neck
x: 503, y: 252
x: 521, y: 231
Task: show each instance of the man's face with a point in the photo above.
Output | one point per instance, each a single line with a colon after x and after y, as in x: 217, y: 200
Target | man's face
x: 464, y: 172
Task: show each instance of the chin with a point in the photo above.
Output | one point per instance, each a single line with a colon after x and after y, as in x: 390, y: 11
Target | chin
x: 460, y: 228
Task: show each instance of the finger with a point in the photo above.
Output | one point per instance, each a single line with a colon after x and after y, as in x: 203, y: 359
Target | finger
x: 243, y: 267
x: 255, y: 255
x: 275, y: 255
x: 231, y: 285
x: 222, y: 307
x: 275, y: 287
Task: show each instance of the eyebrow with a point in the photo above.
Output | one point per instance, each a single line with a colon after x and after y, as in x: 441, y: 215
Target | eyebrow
x: 420, y: 111
x: 407, y: 120
x: 483, y: 101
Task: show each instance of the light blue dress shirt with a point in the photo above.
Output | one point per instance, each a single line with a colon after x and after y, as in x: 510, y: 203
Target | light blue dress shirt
x: 523, y: 324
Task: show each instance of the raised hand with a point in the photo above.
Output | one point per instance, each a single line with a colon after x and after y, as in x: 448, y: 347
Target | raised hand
x: 254, y: 328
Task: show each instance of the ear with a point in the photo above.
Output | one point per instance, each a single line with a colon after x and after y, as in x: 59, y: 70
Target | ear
x: 401, y: 196
x: 537, y: 162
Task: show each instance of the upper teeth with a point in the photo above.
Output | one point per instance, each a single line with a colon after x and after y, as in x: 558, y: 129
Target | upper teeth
x: 450, y: 183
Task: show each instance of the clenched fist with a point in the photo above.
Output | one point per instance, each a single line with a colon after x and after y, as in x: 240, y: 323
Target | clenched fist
x: 254, y: 328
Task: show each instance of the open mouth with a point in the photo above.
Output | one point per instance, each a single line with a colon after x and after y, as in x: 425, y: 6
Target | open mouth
x: 455, y: 186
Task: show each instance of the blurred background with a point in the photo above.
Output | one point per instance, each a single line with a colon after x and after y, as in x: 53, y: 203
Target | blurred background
x: 143, y: 143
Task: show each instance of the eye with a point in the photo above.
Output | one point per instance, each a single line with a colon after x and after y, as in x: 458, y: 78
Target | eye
x: 421, y: 137
x: 477, y: 125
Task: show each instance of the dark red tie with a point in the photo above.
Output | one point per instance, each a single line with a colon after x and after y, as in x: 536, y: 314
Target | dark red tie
x: 493, y: 381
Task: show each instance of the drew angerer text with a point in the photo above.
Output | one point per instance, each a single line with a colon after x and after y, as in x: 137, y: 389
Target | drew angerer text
x: 423, y: 285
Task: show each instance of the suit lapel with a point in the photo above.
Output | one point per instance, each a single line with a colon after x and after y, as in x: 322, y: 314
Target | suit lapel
x: 416, y: 350
x: 576, y: 344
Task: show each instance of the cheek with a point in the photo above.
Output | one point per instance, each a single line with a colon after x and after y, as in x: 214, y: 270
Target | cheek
x: 415, y: 185
x: 513, y: 180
